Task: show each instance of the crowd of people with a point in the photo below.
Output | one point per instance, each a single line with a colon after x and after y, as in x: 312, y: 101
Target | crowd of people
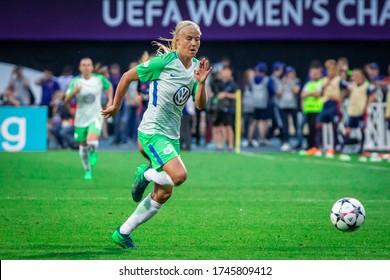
x: 276, y: 104
x: 281, y: 101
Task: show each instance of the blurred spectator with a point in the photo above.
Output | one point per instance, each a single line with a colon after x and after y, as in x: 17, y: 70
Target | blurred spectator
x: 212, y: 108
x: 132, y: 103
x: 288, y: 104
x: 143, y: 97
x: 200, y: 119
x: 312, y: 105
x: 387, y: 114
x: 225, y: 90
x: 374, y: 77
x: 373, y: 73
x: 21, y: 87
x: 68, y: 128
x: 65, y: 78
x: 100, y: 68
x: 49, y: 87
x: 276, y: 78
x: 332, y: 98
x: 218, y: 66
x: 120, y: 119
x: 261, y: 88
x: 343, y: 68
x: 7, y: 98
x: 360, y: 95
x: 186, y: 125
x: 386, y: 80
x: 63, y: 124
x: 247, y: 105
x: 143, y: 89
x: 386, y: 86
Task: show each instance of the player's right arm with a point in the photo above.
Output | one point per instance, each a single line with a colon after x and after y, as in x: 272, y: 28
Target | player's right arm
x: 120, y: 93
x: 145, y: 72
x: 72, y: 91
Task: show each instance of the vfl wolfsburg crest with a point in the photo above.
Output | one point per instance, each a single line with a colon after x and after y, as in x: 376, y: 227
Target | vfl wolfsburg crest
x: 89, y: 98
x: 181, y: 96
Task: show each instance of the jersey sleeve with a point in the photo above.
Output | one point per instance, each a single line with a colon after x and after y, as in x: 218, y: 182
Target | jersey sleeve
x: 106, y: 82
x: 151, y: 69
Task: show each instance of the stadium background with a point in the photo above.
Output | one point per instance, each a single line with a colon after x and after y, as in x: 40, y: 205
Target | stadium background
x: 44, y: 33
x: 243, y: 54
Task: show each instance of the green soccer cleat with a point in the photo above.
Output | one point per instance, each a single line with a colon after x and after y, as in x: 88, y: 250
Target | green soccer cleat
x: 88, y: 175
x: 123, y: 240
x: 92, y: 158
x: 140, y: 183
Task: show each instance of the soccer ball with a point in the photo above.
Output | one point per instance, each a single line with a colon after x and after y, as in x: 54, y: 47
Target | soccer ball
x: 347, y: 214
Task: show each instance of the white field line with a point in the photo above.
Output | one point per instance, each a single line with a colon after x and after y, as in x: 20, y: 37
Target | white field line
x: 318, y: 161
x: 32, y: 198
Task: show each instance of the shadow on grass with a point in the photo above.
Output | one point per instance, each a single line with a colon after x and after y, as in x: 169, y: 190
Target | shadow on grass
x: 68, y: 253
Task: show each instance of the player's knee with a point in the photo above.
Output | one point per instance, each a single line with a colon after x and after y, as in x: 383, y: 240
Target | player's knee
x: 179, y: 178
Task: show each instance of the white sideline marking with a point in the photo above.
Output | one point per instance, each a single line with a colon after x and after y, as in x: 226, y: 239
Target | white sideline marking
x: 317, y: 161
x: 32, y: 198
x: 250, y: 154
x: 61, y: 198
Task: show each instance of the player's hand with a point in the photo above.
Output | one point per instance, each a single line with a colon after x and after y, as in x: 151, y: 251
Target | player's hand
x: 109, y: 111
x: 203, y: 71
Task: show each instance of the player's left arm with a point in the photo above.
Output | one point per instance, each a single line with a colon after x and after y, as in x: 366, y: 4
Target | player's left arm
x: 201, y: 75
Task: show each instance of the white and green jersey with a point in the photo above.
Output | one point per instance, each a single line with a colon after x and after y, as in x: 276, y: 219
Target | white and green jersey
x: 171, y: 85
x: 89, y: 98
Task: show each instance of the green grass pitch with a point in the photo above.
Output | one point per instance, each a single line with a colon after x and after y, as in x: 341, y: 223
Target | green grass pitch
x: 242, y: 207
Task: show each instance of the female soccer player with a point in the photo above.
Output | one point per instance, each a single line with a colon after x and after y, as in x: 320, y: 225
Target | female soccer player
x: 174, y: 75
x: 87, y: 88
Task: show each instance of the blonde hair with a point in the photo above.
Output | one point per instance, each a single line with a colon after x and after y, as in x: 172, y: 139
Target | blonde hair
x: 171, y: 44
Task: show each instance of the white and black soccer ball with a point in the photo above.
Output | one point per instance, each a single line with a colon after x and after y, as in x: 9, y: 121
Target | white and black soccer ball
x: 347, y: 214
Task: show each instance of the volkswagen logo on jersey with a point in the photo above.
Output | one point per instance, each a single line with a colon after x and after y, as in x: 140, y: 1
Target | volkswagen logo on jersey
x: 181, y: 96
x: 89, y: 98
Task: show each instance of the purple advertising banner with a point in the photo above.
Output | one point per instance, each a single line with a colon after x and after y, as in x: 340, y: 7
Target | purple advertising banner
x: 218, y: 19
